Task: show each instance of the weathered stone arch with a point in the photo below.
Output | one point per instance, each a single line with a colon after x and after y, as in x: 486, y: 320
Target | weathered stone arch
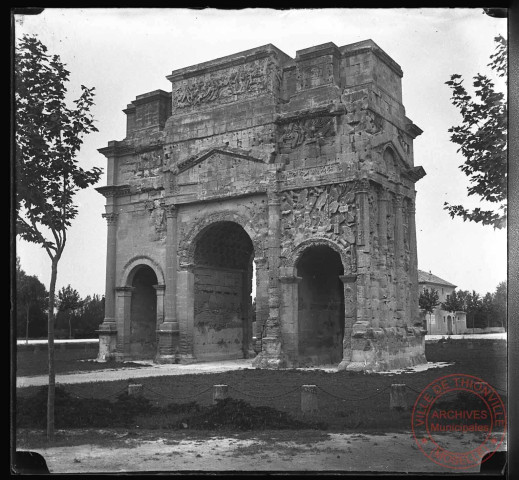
x: 131, y: 266
x: 297, y: 252
x: 188, y: 243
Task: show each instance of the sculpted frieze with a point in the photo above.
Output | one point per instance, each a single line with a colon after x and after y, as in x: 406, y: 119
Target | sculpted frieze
x: 248, y: 79
x: 306, y: 130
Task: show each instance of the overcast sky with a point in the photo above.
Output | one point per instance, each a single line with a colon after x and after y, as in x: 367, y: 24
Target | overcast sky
x: 126, y: 52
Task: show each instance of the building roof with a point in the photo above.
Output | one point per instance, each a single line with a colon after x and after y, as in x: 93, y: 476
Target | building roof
x: 428, y: 277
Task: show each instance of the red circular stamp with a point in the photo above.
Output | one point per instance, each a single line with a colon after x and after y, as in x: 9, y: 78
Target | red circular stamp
x: 457, y: 420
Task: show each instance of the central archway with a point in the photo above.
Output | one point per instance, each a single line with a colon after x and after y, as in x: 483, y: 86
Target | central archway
x: 223, y: 257
x: 321, y: 306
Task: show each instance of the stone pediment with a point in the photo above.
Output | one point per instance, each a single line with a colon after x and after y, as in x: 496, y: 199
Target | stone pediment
x: 220, y: 154
x: 398, y: 152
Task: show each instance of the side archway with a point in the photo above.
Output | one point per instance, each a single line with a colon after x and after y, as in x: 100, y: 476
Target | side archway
x: 130, y: 268
x: 140, y: 307
x: 346, y: 254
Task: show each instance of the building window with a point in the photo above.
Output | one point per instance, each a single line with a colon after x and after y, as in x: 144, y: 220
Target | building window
x: 448, y: 296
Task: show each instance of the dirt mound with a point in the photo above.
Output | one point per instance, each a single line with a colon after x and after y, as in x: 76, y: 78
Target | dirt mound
x: 240, y: 415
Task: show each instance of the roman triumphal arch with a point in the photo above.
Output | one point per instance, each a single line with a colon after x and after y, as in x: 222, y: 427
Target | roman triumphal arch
x: 288, y: 179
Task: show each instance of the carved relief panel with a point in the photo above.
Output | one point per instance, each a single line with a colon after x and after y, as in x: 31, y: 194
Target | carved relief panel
x: 306, y: 130
x: 227, y: 85
x: 325, y: 211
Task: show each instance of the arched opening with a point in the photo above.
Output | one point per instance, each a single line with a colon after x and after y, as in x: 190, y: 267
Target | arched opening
x: 143, y: 313
x: 223, y: 273
x: 321, y: 306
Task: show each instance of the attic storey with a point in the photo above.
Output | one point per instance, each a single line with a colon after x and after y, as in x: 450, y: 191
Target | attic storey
x: 297, y: 174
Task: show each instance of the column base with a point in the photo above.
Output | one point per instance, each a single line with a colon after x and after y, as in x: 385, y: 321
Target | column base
x: 187, y: 359
x: 107, y: 342
x: 271, y: 355
x: 384, y: 349
x: 167, y: 359
x: 168, y: 348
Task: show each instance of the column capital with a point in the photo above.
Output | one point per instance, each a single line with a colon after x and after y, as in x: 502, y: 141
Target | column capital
x: 261, y: 262
x: 399, y: 198
x: 159, y: 288
x: 273, y: 198
x: 362, y: 185
x: 111, y: 218
x: 348, y: 278
x: 187, y: 267
x: 171, y: 211
x: 124, y: 291
x: 290, y: 279
x: 383, y: 195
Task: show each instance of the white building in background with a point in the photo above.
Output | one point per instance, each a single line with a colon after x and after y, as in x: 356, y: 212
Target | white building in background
x: 441, y: 321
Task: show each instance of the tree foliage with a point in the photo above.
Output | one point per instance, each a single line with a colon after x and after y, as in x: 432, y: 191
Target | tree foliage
x: 482, y: 140
x: 454, y: 302
x: 68, y: 302
x: 488, y: 310
x: 77, y: 317
x: 428, y: 300
x: 31, y: 305
x: 48, y: 136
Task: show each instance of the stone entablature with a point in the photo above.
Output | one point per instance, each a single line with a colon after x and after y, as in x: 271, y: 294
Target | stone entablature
x: 312, y: 154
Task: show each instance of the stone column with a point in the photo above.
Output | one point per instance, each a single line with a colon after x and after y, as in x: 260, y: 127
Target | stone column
x: 399, y: 259
x: 159, y: 291
x: 246, y: 307
x: 383, y: 251
x: 262, y: 297
x: 123, y: 320
x: 185, y: 312
x: 413, y: 267
x: 350, y: 317
x: 363, y: 252
x: 271, y: 355
x: 168, y: 330
x: 108, y: 329
x: 289, y: 312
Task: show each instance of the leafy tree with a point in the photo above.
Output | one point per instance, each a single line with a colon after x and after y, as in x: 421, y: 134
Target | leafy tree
x: 472, y: 306
x: 428, y: 300
x: 482, y: 137
x: 454, y: 303
x: 31, y: 301
x: 89, y: 316
x: 69, y: 302
x: 48, y: 136
x: 500, y: 303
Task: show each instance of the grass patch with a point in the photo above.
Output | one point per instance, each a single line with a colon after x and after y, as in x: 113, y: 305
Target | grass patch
x: 351, y: 404
x: 130, y: 411
x: 31, y: 363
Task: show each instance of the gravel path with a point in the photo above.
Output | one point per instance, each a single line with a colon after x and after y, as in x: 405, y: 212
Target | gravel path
x: 154, y: 370
x: 340, y: 452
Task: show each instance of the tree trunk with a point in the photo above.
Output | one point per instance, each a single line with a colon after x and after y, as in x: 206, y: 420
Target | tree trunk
x: 27, y: 325
x: 52, y: 373
x: 69, y: 327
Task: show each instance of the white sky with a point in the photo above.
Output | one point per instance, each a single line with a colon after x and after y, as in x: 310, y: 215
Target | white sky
x: 126, y: 52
